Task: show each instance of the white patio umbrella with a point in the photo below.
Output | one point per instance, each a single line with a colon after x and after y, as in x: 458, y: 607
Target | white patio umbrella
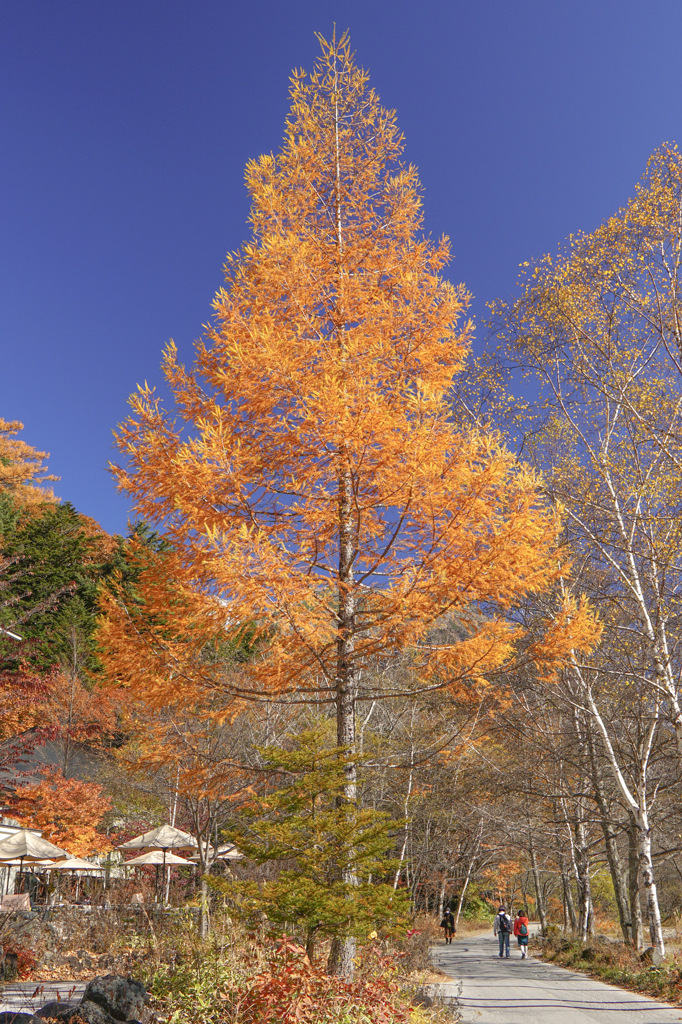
x: 166, y: 837
x: 226, y: 852
x: 156, y: 857
x: 34, y: 863
x: 74, y: 864
x: 27, y: 846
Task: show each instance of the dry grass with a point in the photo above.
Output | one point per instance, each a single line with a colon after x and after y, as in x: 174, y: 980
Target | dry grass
x: 618, y: 964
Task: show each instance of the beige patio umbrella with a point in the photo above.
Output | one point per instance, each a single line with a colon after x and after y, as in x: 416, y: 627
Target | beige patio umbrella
x: 156, y: 857
x: 77, y: 864
x: 166, y: 837
x: 47, y: 864
x: 74, y: 864
x: 27, y: 846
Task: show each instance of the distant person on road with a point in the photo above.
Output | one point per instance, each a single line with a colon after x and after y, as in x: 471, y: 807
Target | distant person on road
x: 448, y: 926
x: 521, y: 932
x: 502, y: 927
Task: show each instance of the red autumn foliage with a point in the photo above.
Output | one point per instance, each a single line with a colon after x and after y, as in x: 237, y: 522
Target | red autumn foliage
x: 294, y: 991
x: 26, y: 959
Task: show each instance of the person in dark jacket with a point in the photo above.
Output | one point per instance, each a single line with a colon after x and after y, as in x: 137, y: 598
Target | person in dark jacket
x: 448, y: 926
x: 502, y: 927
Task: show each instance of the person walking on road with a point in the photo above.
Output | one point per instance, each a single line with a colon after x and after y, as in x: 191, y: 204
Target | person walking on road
x: 448, y: 926
x: 502, y: 927
x: 521, y: 932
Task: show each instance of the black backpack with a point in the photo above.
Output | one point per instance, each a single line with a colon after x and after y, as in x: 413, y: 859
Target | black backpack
x: 505, y: 923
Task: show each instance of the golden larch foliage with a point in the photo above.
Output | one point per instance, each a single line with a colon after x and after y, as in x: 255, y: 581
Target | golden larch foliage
x: 311, y: 480
x: 22, y: 472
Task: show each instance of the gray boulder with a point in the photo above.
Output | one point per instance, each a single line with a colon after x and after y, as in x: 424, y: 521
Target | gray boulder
x: 18, y: 1017
x: 91, y: 1013
x: 121, y: 998
x: 56, y: 1009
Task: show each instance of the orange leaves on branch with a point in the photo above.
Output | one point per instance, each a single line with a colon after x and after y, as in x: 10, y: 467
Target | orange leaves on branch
x: 83, y: 715
x: 23, y: 695
x: 153, y: 636
x: 311, y: 477
x: 67, y: 811
x: 575, y: 629
x: 501, y: 879
x: 22, y: 472
x: 195, y: 751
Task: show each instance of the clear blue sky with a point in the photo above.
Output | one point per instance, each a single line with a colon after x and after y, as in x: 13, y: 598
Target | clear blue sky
x: 125, y: 126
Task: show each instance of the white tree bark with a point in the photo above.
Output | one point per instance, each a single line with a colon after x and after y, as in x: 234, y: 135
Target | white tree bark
x: 472, y: 861
x: 635, y: 799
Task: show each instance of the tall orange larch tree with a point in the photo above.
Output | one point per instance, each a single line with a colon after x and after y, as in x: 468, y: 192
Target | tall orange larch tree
x: 311, y: 479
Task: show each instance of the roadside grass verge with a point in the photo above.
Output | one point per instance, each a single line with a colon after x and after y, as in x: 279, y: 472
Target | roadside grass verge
x: 617, y: 964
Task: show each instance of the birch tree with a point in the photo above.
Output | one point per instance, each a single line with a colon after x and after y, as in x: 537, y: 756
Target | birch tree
x: 597, y: 326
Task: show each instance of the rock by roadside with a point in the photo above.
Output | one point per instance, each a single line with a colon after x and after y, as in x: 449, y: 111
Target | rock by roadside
x: 108, y: 999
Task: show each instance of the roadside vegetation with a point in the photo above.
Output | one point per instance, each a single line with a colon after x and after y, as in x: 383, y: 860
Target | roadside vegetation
x: 617, y: 964
x: 248, y: 979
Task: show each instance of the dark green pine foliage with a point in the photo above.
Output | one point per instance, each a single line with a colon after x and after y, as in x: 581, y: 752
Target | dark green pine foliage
x: 303, y: 830
x: 54, y: 568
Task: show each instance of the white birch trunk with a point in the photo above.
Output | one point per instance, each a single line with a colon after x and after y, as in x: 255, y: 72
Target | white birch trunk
x: 636, y: 804
x: 472, y: 861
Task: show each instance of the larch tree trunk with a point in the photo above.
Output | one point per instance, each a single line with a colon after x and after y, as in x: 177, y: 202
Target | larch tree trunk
x: 342, y: 955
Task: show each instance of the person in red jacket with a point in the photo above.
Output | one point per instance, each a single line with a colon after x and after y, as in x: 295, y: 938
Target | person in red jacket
x: 521, y: 932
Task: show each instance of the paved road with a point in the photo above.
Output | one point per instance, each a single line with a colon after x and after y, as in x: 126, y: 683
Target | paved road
x: 515, y: 991
x: 31, y: 995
